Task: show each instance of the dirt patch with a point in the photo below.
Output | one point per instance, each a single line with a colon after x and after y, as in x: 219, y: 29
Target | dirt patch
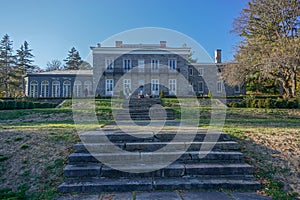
x: 275, y: 151
x: 33, y: 157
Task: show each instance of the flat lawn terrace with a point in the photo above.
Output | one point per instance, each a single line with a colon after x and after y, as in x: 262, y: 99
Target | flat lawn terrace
x: 35, y: 144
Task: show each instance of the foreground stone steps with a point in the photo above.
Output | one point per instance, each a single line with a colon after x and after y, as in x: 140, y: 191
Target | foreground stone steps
x: 153, y: 146
x: 144, y: 114
x: 148, y: 136
x: 150, y: 184
x: 149, y: 157
x: 203, y: 170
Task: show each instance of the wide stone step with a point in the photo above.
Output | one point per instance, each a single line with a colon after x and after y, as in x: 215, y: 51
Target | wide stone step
x: 204, y: 170
x: 150, y: 184
x: 149, y: 136
x: 153, y: 146
x: 157, y: 157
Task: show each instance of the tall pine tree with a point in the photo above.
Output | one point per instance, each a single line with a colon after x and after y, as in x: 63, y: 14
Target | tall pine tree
x: 73, y: 61
x: 24, y: 59
x: 7, y: 64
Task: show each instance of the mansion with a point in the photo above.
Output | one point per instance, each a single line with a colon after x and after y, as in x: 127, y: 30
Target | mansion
x: 131, y: 69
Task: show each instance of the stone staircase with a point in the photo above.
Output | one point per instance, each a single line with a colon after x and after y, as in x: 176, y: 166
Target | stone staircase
x: 143, y: 109
x: 138, y: 164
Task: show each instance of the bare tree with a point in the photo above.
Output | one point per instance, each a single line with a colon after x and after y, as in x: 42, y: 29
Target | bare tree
x: 53, y: 65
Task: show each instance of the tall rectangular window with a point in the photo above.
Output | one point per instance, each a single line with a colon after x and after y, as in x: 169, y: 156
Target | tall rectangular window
x: 154, y: 65
x: 33, y: 89
x: 219, y: 86
x: 172, y: 87
x: 200, y: 72
x: 155, y: 87
x: 109, y: 64
x: 141, y: 65
x: 109, y: 86
x: 191, y: 71
x: 55, y: 89
x: 127, y: 87
x: 201, y: 87
x: 172, y: 63
x: 126, y: 65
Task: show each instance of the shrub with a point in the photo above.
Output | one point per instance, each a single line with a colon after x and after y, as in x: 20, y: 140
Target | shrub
x: 2, y: 105
x: 261, y: 103
x: 292, y: 103
x: 161, y: 94
x: 10, y: 105
x: 30, y: 105
x: 268, y: 103
x: 20, y: 105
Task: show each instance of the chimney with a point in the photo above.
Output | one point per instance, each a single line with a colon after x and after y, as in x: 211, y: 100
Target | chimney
x: 119, y: 43
x: 99, y: 45
x: 163, y: 44
x: 218, y: 56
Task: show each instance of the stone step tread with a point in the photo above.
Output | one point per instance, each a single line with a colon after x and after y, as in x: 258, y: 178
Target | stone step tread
x: 158, y: 157
x: 149, y: 184
x: 98, y: 136
x: 152, y: 146
x: 173, y: 170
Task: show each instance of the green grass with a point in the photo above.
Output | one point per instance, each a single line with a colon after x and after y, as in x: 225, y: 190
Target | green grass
x: 238, y: 123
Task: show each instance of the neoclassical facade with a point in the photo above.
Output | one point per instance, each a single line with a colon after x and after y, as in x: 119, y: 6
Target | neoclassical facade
x: 152, y: 68
x: 131, y: 69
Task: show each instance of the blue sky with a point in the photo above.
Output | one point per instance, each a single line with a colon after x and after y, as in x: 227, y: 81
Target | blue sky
x: 53, y: 27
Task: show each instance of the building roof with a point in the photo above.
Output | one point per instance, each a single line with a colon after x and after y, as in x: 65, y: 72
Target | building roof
x: 68, y: 72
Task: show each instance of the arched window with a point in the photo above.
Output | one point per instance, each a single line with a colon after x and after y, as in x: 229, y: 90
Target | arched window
x: 33, y: 89
x: 66, y: 89
x: 77, y: 88
x: 45, y: 89
x: 87, y: 88
x: 55, y: 89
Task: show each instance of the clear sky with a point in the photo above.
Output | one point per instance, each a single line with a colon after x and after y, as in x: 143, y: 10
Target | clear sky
x: 52, y: 27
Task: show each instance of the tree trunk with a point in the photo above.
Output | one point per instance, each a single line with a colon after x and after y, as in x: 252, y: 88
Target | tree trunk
x: 286, y: 89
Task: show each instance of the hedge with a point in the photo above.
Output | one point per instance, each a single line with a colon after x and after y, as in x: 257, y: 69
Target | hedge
x: 266, y: 103
x: 13, y: 104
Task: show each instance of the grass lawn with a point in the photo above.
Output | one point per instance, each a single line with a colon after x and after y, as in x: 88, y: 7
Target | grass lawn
x: 35, y: 144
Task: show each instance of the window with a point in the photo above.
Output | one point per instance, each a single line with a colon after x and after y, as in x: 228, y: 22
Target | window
x: 201, y: 87
x: 34, y: 89
x: 126, y: 65
x: 66, y: 89
x: 154, y: 64
x: 141, y: 65
x: 127, y: 87
x: 55, y: 89
x: 219, y: 86
x: 200, y: 71
x: 87, y: 88
x: 109, y: 64
x: 191, y: 71
x: 155, y: 87
x: 45, y: 89
x: 237, y: 89
x: 172, y: 87
x: 109, y: 85
x: 172, y: 63
x: 77, y: 89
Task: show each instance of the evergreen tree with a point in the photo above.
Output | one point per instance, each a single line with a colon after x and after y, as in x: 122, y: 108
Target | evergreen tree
x: 7, y: 63
x: 24, y: 59
x: 73, y: 61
